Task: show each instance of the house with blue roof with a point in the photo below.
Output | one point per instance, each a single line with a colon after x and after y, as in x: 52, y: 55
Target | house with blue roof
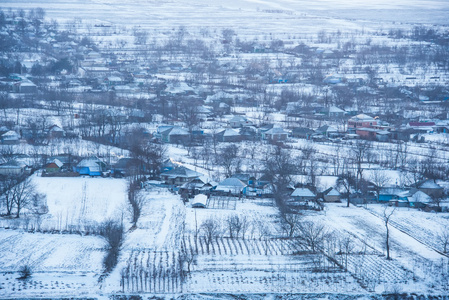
x: 91, y: 166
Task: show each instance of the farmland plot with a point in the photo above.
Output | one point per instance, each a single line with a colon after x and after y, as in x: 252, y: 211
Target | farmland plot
x: 367, y: 261
x: 426, y: 231
x: 149, y: 260
x: 61, y: 264
x: 75, y: 204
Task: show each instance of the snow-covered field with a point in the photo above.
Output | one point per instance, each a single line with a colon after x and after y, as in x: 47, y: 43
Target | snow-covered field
x: 74, y: 203
x: 66, y: 262
x: 248, y: 16
x: 62, y: 265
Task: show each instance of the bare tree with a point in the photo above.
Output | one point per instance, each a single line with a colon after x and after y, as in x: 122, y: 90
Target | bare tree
x: 112, y: 232
x: 386, y: 216
x: 380, y: 179
x: 136, y: 200
x: 186, y: 258
x: 359, y: 153
x: 236, y: 225
x: 346, y: 245
x: 443, y: 238
x: 22, y: 194
x: 345, y: 181
x: 8, y: 184
x: 279, y: 168
x: 210, y: 229
x: 151, y: 155
x: 290, y: 224
x: 228, y: 159
x: 312, y: 234
x: 140, y: 36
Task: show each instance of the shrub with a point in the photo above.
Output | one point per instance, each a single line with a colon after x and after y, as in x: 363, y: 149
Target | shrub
x: 25, y: 272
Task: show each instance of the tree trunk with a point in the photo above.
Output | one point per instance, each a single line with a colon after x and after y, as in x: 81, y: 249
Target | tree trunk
x: 387, y: 241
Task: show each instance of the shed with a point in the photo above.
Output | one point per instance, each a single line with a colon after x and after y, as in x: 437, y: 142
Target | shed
x: 331, y: 195
x: 54, y: 166
x: 200, y: 201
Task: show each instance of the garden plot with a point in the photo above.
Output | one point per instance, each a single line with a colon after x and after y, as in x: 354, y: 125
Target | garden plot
x: 373, y: 270
x: 41, y: 285
x: 261, y: 216
x: 272, y: 282
x: 425, y: 227
x: 161, y: 223
x: 220, y: 202
x: 367, y: 261
x: 149, y: 255
x: 239, y: 246
x: 152, y: 272
x: 50, y: 252
x: 76, y: 202
x: 61, y: 264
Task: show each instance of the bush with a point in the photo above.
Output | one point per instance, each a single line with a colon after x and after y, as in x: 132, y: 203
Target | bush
x: 113, y: 234
x: 25, y: 272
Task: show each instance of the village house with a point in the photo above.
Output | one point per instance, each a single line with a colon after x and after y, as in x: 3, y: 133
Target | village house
x: 228, y: 135
x: 195, y: 186
x: 275, y: 134
x: 231, y: 186
x: 24, y: 87
x: 333, y: 112
x: 245, y: 177
x: 419, y: 199
x: 431, y: 188
x: 239, y: 121
x: 56, y: 132
x: 12, y: 167
x: 360, y: 121
x: 179, y: 176
x: 10, y: 138
x: 54, y: 166
x: 331, y: 195
x: 169, y: 164
x: 91, y: 166
x: 173, y: 135
x: 303, y: 194
x: 127, y: 166
x: 425, y: 127
x: 302, y: 133
x: 327, y: 130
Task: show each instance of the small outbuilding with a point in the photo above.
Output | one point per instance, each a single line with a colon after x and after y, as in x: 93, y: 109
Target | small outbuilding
x: 200, y: 201
x: 331, y: 195
x: 54, y: 166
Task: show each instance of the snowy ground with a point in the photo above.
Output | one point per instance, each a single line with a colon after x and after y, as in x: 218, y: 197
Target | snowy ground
x: 65, y: 262
x: 62, y: 265
x: 412, y: 260
x: 74, y: 203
